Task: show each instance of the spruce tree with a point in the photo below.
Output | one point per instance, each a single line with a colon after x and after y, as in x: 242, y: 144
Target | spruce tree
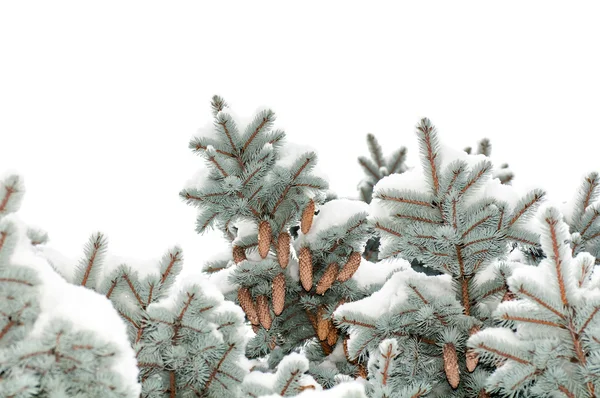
x: 43, y: 353
x: 375, y: 169
x: 257, y: 193
x: 452, y: 217
x: 188, y: 341
x: 584, y: 217
x: 549, y: 342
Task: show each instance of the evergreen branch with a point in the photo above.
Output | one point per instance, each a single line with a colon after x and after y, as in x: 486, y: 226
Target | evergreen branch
x: 565, y: 391
x: 501, y: 211
x: 216, y: 369
x: 522, y: 240
x: 247, y: 180
x: 540, y: 302
x: 507, y: 317
x: 128, y: 319
x: 502, y: 354
x: 466, y: 299
x: 478, y: 241
x: 383, y: 196
x: 10, y: 190
x: 375, y: 150
x: 388, y: 359
x: 256, y: 131
x: 287, y: 188
x: 356, y: 323
x: 388, y: 230
x: 197, y: 147
x: 454, y: 218
x: 588, y: 320
x: 426, y: 302
x: 150, y: 293
x: 307, y: 185
x: 96, y: 247
x: 373, y: 173
x: 212, y: 159
x: 399, y: 159
x: 132, y: 288
x: 11, y: 323
x: 112, y: 287
x: 589, y: 224
x: 3, y: 236
x: 14, y: 280
x: 208, y: 221
x: 455, y: 174
x: 475, y: 225
x: 476, y: 178
x: 177, y: 324
x: 289, y: 382
x: 492, y: 292
x: 223, y: 123
x: 592, y: 183
x: 174, y: 258
x: 534, y: 200
x: 557, y: 261
x: 172, y: 384
x: 416, y: 218
x: 255, y: 193
x: 426, y: 129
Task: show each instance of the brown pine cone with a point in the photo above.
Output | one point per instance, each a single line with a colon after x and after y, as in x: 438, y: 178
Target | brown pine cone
x: 350, y: 267
x: 264, y: 238
x: 451, y: 365
x: 332, y: 337
x: 247, y: 304
x: 283, y: 249
x: 264, y: 314
x: 278, y: 293
x: 322, y: 324
x: 328, y: 278
x: 307, y: 217
x: 239, y: 254
x: 306, y: 268
x: 472, y: 357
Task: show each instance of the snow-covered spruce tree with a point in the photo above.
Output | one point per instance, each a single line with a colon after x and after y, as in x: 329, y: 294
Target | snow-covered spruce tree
x: 50, y: 344
x: 378, y: 166
x: 550, y: 343
x: 189, y: 342
x: 584, y: 217
x: 375, y: 169
x: 255, y: 191
x: 453, y: 217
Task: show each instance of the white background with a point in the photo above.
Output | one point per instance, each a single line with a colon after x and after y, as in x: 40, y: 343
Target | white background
x: 98, y: 100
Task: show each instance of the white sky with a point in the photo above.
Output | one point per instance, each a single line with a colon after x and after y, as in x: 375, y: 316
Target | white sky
x: 98, y: 100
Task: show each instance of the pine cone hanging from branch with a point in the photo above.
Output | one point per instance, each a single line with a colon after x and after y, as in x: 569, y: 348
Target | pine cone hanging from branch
x: 350, y: 267
x: 239, y: 254
x: 332, y: 337
x: 451, y: 365
x: 247, y: 304
x: 328, y: 278
x: 306, y: 268
x: 283, y: 249
x: 278, y: 293
x: 322, y: 324
x: 264, y: 238
x: 264, y: 314
x: 472, y: 357
x: 307, y: 217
